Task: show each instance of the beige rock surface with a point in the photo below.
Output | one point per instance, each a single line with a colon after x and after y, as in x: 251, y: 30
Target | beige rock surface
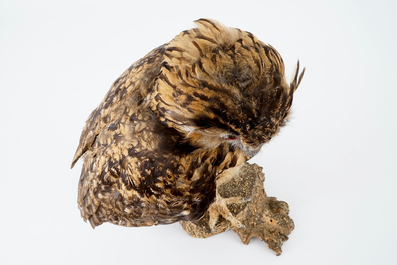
x: 264, y: 217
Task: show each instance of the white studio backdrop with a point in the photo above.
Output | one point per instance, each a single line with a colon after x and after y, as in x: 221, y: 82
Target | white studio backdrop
x: 335, y: 163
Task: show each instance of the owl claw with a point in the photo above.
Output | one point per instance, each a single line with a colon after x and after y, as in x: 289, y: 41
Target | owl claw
x: 219, y: 207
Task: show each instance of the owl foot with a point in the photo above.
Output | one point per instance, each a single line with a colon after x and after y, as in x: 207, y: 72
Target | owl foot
x: 219, y: 207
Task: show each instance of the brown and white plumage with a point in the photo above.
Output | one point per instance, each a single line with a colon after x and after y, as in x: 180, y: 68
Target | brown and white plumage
x: 174, y: 125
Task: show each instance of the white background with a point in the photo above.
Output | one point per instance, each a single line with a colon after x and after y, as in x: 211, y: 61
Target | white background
x: 335, y: 164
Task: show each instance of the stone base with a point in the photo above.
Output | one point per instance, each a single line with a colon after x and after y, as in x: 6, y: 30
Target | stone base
x: 264, y: 217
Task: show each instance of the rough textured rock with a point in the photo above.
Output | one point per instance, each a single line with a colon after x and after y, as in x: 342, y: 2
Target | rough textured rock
x: 264, y: 217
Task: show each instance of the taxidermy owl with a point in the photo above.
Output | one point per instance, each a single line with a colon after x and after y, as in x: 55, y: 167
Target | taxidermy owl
x: 177, y: 124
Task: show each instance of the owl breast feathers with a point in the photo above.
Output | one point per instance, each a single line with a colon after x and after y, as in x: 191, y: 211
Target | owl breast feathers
x: 175, y: 121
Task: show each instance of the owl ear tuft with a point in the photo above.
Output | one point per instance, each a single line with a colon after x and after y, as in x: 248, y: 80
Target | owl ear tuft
x: 297, y: 80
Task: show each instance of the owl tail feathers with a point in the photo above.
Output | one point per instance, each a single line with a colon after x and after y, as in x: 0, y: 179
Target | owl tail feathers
x: 76, y: 157
x: 94, y: 221
x: 297, y: 80
x: 86, y: 142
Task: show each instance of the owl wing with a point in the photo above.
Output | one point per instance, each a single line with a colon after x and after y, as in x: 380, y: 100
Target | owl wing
x: 129, y: 90
x: 111, y: 186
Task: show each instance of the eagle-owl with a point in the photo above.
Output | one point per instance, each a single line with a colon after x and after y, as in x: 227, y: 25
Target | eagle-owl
x: 177, y: 124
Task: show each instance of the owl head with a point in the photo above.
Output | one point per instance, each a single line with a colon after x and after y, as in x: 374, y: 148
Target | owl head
x: 222, y: 85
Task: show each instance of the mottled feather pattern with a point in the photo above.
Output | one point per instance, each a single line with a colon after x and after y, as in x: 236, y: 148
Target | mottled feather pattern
x: 133, y: 85
x: 173, y: 123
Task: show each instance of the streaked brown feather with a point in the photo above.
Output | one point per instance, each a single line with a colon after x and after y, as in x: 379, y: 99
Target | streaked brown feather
x: 156, y: 145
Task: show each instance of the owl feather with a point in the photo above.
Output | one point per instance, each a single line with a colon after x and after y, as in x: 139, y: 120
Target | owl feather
x: 177, y: 123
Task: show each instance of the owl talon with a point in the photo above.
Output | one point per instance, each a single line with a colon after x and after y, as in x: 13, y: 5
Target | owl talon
x: 219, y: 207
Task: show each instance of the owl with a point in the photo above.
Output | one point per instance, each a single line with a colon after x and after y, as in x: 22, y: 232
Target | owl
x: 179, y: 123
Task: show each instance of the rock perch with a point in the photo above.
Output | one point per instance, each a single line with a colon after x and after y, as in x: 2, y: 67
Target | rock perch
x: 264, y: 217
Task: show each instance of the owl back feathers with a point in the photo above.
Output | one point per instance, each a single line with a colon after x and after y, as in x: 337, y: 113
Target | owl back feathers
x: 154, y: 146
x: 129, y: 90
